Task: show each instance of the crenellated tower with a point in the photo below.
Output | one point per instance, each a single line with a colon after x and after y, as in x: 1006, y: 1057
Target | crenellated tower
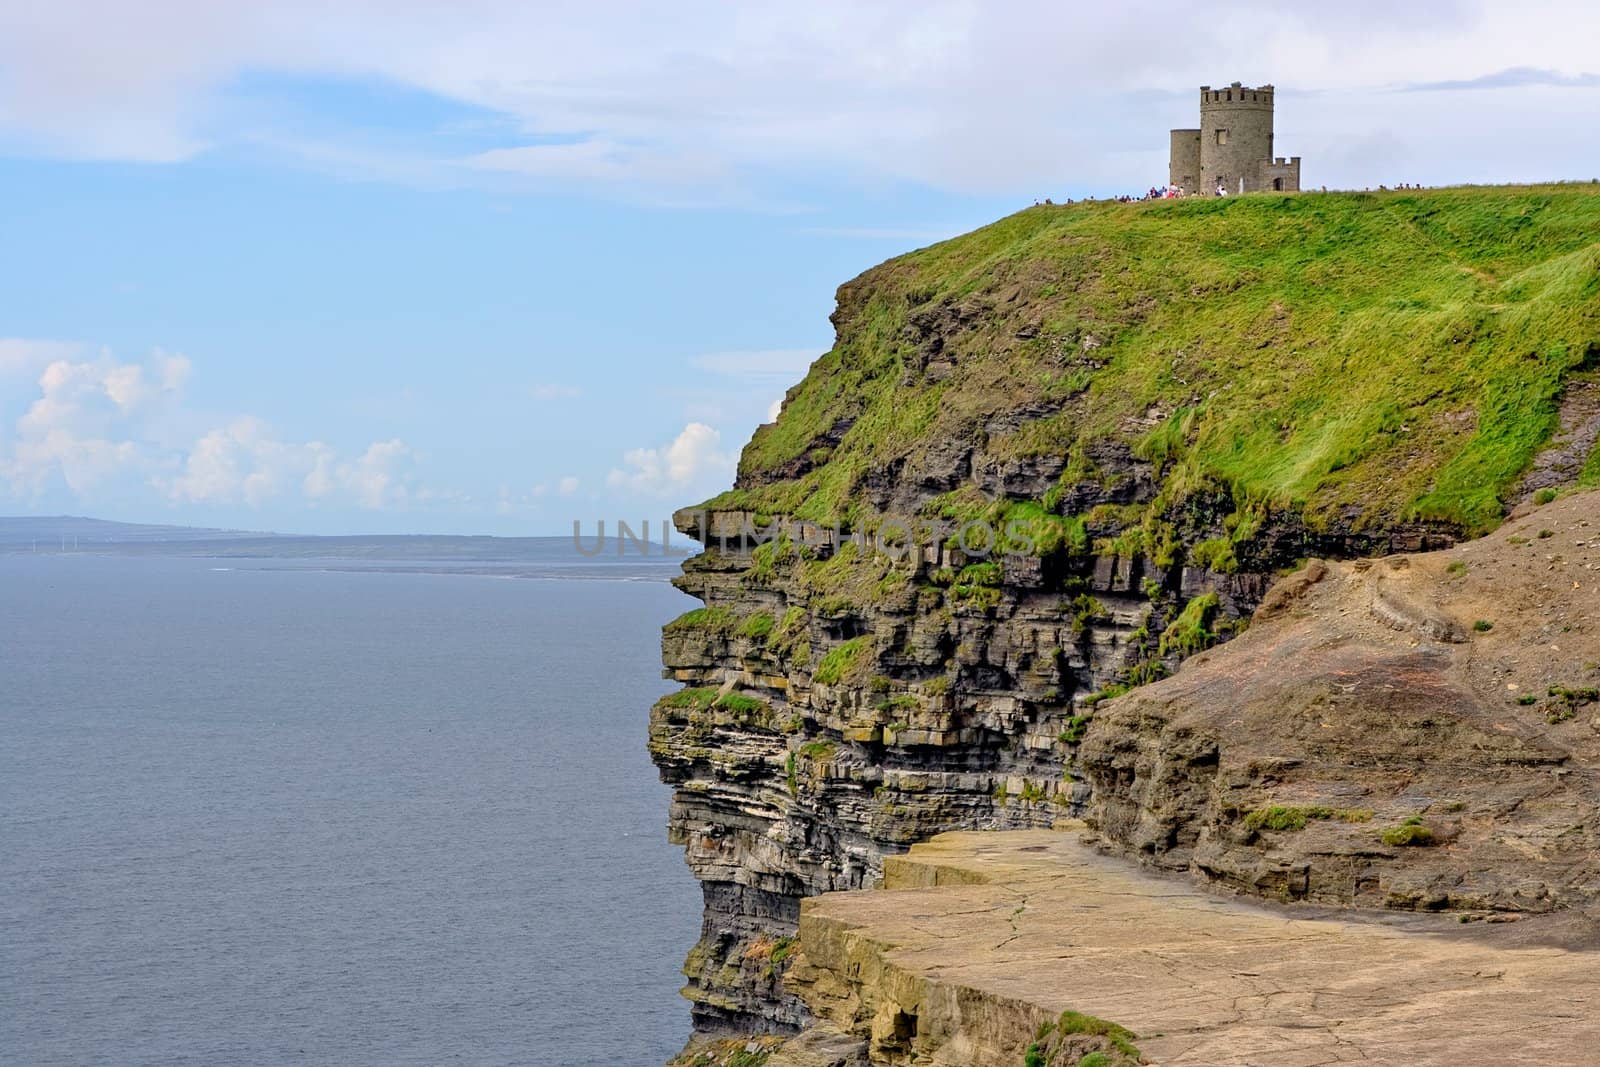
x: 1233, y: 146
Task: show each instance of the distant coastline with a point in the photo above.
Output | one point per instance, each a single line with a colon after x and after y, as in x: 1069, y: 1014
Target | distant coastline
x: 503, y: 557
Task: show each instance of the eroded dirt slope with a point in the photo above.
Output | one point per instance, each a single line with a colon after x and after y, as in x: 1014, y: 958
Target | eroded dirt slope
x: 1419, y: 731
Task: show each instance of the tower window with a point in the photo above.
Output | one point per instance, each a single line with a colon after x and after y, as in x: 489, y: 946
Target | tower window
x: 1222, y: 136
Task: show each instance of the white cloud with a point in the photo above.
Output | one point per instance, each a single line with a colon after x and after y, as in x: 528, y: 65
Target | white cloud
x: 567, y: 486
x: 240, y: 461
x: 693, y: 459
x: 104, y: 424
x: 82, y: 463
x: 379, y: 477
x: 774, y: 409
x: 956, y: 94
x: 132, y: 385
x: 599, y: 161
x: 245, y: 462
x: 22, y: 356
x: 75, y: 431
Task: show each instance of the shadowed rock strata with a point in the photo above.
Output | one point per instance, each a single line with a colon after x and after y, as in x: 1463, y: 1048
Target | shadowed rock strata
x: 795, y: 775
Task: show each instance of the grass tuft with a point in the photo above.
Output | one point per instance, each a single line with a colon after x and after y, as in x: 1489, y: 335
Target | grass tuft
x: 843, y: 661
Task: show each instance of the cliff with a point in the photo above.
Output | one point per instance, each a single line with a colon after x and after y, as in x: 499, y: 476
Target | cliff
x: 1046, y: 462
x: 1398, y: 739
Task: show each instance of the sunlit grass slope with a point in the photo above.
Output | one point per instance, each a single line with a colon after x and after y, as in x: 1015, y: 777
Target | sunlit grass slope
x: 1373, y: 357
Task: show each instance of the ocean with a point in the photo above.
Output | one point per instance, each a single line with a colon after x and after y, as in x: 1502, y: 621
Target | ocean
x: 388, y: 808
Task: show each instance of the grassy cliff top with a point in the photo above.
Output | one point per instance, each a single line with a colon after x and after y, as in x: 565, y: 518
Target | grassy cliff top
x: 1376, y: 356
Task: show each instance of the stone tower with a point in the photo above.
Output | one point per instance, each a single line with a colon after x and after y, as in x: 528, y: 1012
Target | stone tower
x: 1233, y: 146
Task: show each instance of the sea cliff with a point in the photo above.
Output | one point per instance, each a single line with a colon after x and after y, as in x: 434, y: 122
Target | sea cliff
x: 1046, y: 463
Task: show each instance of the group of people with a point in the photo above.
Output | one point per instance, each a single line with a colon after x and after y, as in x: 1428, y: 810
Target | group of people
x: 1177, y: 192
x: 1174, y: 192
x: 1157, y: 192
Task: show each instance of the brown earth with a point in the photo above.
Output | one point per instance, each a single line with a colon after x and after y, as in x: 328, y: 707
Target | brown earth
x: 1448, y: 698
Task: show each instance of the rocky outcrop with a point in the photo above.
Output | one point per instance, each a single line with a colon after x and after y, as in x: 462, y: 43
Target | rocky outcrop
x: 840, y: 705
x: 1145, y: 437
x: 1419, y: 732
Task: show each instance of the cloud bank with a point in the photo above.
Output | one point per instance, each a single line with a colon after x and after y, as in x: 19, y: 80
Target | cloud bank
x: 704, y: 101
x: 97, y: 423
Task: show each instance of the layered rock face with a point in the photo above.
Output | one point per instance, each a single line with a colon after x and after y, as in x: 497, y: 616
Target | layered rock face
x: 1121, y: 426
x: 841, y: 705
x: 812, y: 743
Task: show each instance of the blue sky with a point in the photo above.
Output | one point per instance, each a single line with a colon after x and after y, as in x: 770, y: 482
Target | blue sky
x: 492, y: 267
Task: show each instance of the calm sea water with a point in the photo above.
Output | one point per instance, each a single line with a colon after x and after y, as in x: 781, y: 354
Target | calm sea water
x: 253, y: 813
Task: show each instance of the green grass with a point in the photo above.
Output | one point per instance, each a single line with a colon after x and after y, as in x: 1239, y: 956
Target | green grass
x: 740, y: 704
x: 1286, y: 817
x: 1411, y: 833
x: 1191, y: 630
x: 757, y: 626
x: 708, y: 620
x: 1051, y: 1042
x: 1077, y: 726
x: 1389, y: 356
x: 1110, y: 692
x: 1565, y: 701
x: 700, y: 699
x: 1589, y: 477
x: 1214, y: 554
x: 1119, y: 1037
x: 977, y: 585
x: 843, y: 661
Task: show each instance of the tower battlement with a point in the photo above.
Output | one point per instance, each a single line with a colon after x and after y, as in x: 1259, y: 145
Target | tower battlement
x: 1232, y: 149
x: 1235, y: 95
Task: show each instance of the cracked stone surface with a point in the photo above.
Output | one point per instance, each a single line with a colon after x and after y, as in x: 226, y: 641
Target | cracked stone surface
x: 979, y: 937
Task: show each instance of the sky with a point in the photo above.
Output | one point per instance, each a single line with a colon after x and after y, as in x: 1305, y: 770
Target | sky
x: 494, y: 266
